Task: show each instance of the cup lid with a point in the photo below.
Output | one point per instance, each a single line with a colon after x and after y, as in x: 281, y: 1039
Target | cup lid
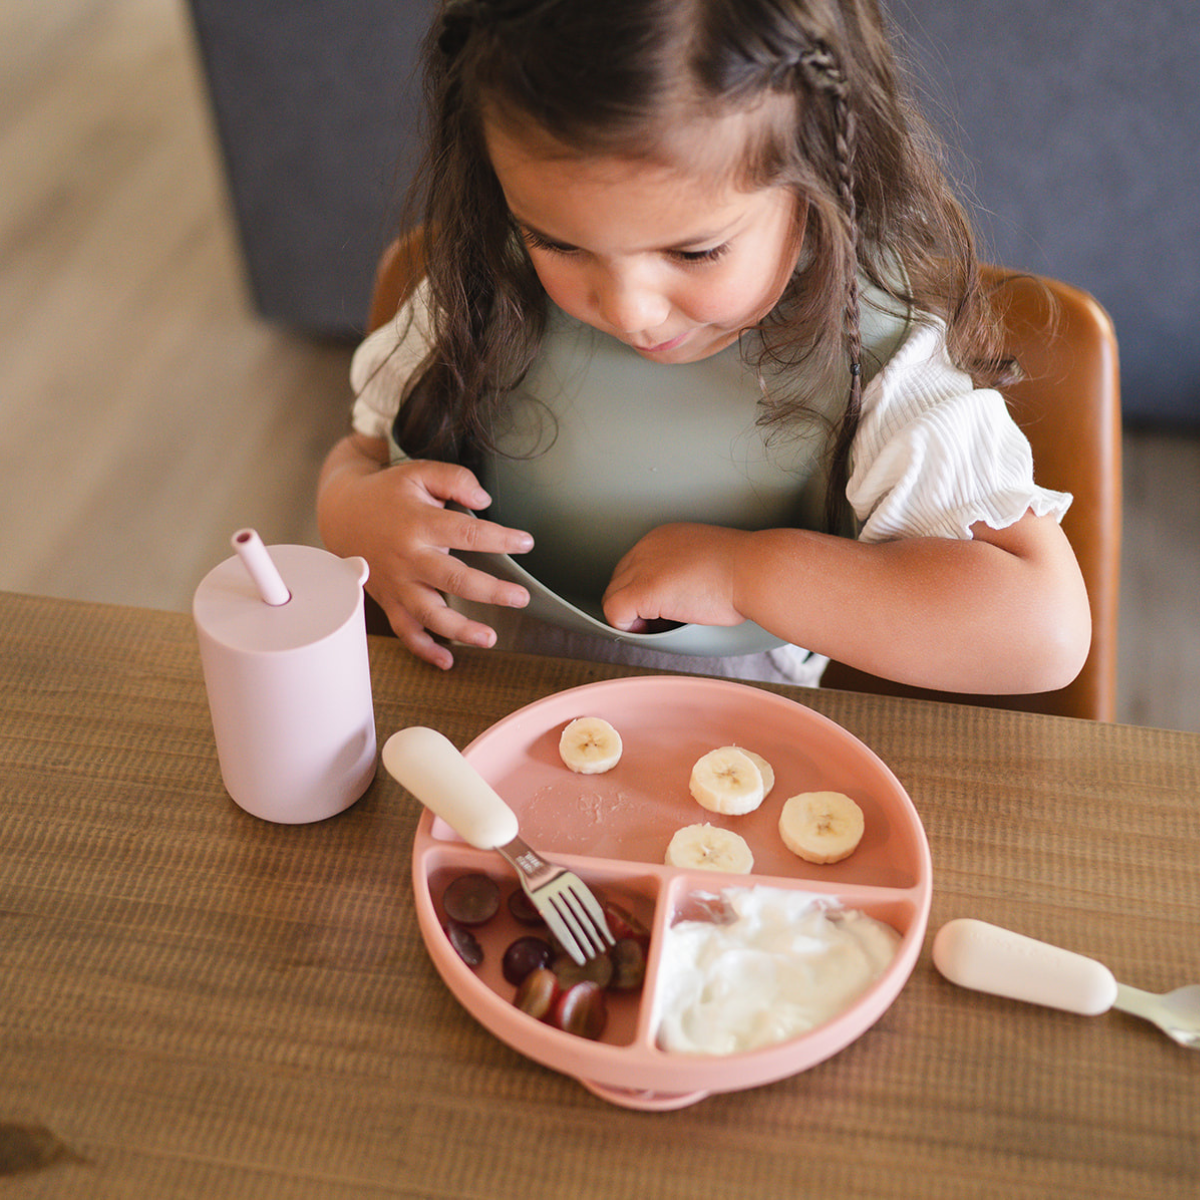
x: 326, y: 592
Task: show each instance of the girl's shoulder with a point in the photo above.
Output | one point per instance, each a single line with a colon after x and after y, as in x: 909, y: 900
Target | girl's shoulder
x: 408, y: 331
x: 386, y: 361
x: 915, y: 366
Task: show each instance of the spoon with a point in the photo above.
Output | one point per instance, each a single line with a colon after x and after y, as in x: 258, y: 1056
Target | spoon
x: 985, y: 957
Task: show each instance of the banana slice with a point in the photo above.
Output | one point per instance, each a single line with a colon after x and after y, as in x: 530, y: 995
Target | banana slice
x: 710, y: 849
x: 726, y: 780
x: 590, y: 746
x: 821, y: 827
x: 764, y: 769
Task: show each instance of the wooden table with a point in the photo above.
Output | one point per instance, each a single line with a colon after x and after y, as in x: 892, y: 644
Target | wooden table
x: 195, y: 1003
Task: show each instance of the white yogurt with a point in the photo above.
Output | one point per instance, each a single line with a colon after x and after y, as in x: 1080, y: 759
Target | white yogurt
x: 785, y: 962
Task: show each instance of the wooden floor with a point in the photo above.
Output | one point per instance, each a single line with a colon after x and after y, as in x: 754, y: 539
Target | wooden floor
x: 147, y: 413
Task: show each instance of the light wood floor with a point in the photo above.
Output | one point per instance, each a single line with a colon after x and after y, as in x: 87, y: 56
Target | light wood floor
x: 147, y: 413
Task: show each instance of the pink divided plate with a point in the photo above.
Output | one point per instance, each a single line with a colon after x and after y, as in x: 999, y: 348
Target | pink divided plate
x: 613, y: 830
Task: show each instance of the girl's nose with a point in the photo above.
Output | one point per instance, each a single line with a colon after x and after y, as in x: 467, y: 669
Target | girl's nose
x: 631, y: 305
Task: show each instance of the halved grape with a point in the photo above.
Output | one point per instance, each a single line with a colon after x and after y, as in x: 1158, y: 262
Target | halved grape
x: 598, y: 970
x: 523, y: 910
x: 538, y: 992
x: 623, y: 924
x: 524, y: 955
x: 465, y: 943
x: 628, y: 957
x: 471, y: 899
x: 582, y: 1010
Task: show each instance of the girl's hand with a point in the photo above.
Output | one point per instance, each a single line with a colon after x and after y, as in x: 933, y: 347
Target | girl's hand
x: 396, y: 518
x: 679, y: 572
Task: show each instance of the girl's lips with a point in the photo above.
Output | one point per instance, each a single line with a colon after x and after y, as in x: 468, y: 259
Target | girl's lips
x: 663, y: 347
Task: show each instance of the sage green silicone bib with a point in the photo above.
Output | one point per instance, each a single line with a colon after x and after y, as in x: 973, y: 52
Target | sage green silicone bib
x: 602, y: 446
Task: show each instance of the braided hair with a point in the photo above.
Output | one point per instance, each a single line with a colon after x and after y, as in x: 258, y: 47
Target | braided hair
x: 827, y: 77
x: 831, y: 122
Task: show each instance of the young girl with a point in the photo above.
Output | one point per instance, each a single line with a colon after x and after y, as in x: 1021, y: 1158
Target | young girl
x: 702, y: 314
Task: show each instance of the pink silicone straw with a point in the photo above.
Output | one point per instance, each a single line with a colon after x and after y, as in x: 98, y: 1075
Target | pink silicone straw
x: 262, y: 570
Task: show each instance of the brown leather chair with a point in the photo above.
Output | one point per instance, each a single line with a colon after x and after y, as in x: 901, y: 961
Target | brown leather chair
x: 1069, y: 406
x: 399, y: 271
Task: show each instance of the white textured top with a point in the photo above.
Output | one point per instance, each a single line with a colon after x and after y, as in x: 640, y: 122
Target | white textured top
x: 622, y: 445
x: 934, y: 454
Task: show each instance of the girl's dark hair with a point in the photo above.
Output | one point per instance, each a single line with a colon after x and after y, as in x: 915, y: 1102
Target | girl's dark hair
x: 832, y: 122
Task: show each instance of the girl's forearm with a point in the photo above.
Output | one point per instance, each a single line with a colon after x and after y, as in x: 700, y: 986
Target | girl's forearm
x: 1005, y: 612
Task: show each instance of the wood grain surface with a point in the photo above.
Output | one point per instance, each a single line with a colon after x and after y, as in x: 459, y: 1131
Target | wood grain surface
x: 196, y: 1003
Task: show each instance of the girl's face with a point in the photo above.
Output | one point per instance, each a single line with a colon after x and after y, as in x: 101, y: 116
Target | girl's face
x: 671, y: 263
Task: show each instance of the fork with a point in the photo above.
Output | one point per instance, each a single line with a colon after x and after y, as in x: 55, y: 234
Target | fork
x: 430, y: 766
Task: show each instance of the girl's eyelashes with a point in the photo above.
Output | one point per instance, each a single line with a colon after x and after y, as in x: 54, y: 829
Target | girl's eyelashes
x: 701, y: 256
x: 537, y: 241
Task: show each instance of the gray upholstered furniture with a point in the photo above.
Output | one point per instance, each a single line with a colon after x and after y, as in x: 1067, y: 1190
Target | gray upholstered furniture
x: 1077, y: 124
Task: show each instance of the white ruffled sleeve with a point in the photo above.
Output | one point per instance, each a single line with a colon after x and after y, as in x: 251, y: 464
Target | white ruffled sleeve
x: 934, y: 454
x: 384, y: 363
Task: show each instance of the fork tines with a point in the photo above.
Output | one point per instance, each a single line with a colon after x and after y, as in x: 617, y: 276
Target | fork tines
x: 575, y: 906
x: 566, y: 903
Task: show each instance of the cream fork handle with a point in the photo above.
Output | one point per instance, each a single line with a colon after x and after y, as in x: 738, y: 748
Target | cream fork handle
x: 431, y: 767
x: 987, y: 958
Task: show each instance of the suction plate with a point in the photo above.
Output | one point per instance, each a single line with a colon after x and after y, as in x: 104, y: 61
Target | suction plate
x: 613, y: 830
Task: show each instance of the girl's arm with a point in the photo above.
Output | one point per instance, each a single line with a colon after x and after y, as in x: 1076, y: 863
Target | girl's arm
x: 396, y: 518
x: 1004, y: 612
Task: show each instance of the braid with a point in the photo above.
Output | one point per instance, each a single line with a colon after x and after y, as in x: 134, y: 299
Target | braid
x: 825, y: 75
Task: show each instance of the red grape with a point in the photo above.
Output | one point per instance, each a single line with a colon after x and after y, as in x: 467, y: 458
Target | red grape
x: 524, y: 955
x: 471, y: 899
x: 523, y: 910
x: 465, y: 943
x: 599, y: 970
x: 537, y: 993
x: 628, y: 957
x: 623, y: 924
x: 582, y: 1010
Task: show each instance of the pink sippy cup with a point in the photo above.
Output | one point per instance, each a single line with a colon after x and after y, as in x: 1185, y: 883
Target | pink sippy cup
x: 283, y: 646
